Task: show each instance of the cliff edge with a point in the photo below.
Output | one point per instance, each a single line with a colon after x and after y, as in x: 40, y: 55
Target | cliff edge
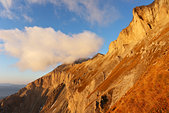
x: 131, y: 77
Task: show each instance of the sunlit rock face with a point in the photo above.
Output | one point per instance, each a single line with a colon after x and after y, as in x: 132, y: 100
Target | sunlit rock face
x: 145, y: 18
x: 131, y: 77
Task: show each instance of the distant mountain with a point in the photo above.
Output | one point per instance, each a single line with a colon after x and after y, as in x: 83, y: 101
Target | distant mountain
x: 7, y: 89
x: 1, y: 98
x: 9, y: 84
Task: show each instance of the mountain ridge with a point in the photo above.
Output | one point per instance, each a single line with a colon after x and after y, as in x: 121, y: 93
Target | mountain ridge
x: 99, y: 84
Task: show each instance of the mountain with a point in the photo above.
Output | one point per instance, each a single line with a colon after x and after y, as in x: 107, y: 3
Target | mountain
x: 8, y: 89
x: 132, y: 77
x: 9, y: 84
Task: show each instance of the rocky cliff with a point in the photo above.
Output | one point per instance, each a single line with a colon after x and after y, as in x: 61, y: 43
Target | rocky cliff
x: 132, y: 77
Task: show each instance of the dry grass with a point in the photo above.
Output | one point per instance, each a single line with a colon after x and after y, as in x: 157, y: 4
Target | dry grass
x: 151, y: 92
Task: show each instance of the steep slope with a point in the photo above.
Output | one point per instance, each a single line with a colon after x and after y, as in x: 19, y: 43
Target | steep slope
x: 151, y: 92
x: 98, y: 83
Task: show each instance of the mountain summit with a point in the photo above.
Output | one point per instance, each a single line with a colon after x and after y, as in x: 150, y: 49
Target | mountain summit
x: 132, y: 77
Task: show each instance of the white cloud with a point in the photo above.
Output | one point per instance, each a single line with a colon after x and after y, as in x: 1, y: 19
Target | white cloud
x: 6, y: 3
x: 1, y: 47
x: 38, y: 48
x: 94, y: 11
x: 6, y: 12
x: 56, y: 2
x: 27, y: 18
x: 36, y: 1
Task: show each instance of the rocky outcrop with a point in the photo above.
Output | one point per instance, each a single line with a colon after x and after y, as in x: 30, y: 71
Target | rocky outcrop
x: 145, y: 18
x: 150, y: 93
x: 97, y: 84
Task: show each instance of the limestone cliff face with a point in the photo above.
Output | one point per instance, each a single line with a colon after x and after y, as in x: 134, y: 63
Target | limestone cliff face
x: 145, y: 18
x: 101, y: 83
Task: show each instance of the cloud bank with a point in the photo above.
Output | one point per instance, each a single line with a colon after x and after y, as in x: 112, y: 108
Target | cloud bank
x: 39, y: 48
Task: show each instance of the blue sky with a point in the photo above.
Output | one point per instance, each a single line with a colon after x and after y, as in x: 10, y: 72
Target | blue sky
x: 84, y: 21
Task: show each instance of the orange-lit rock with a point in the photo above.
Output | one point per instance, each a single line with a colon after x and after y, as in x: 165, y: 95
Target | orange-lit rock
x: 132, y: 77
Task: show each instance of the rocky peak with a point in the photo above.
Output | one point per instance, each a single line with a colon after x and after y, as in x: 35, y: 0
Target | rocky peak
x: 96, y: 84
x: 145, y: 18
